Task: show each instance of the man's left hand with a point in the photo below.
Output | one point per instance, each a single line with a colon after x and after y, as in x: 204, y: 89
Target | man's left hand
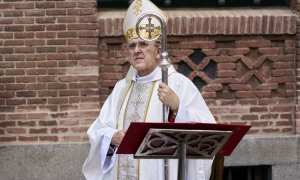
x: 168, y: 97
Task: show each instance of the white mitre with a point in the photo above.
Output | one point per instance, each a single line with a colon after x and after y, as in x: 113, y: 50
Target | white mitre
x: 136, y: 9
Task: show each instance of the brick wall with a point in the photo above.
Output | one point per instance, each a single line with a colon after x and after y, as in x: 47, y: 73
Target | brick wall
x: 59, y: 61
x: 48, y: 70
x: 295, y: 5
x: 251, y: 51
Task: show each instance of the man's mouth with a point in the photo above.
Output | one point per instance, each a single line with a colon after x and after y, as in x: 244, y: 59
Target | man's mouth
x: 137, y: 58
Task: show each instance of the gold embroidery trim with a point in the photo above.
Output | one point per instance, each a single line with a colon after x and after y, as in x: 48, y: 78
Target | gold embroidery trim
x: 149, y: 98
x: 131, y: 33
x: 145, y: 115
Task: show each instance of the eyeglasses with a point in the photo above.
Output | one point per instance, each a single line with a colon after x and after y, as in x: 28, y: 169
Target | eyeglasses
x: 141, y: 45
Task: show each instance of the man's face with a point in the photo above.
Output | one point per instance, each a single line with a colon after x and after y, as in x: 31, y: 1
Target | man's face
x: 144, y: 56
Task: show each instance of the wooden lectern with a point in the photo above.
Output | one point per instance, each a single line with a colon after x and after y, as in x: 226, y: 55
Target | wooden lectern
x: 181, y: 141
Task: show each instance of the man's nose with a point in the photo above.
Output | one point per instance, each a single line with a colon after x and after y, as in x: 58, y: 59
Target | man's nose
x: 137, y: 48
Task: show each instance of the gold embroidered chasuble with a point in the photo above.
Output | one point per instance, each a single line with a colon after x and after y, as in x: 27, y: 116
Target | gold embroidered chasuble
x: 135, y: 111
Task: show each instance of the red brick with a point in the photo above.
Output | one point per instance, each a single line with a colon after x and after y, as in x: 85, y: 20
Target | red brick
x: 58, y: 101
x: 83, y: 41
x: 45, y: 34
x: 249, y: 117
x: 47, y: 123
x: 24, y: 50
x: 15, y: 130
x: 56, y: 42
x: 28, y: 138
x: 213, y: 87
x: 25, y: 79
x: 56, y: 56
x: 67, y: 49
x: 68, y: 107
x: 83, y: 114
x: 226, y: 73
x: 35, y: 57
x: 26, y: 94
x: 4, y: 124
x: 35, y: 28
x: 37, y: 101
x: 2, y: 117
x: 71, y: 138
x: 13, y: 13
x: 282, y: 109
x: 15, y: 101
x: 47, y: 64
x: 68, y: 34
x: 8, y: 139
x: 56, y: 71
x: 56, y: 27
x: 6, y: 50
x: 46, y: 79
x: 24, y: 35
x: 269, y: 116
x: 7, y: 80
x: 50, y: 108
x: 65, y: 4
x: 56, y: 12
x: 90, y: 106
x: 45, y: 20
x: 36, y: 71
x: 38, y: 131
x: 87, y: 19
x: 258, y: 109
x: 45, y: 5
x: 57, y: 86
x: 7, y: 108
x: 59, y: 115
x: 14, y: 57
x: 24, y: 21
x: 111, y: 76
x: 14, y: 43
x: 15, y: 86
x: 69, y: 122
x: 27, y: 123
x: 90, y: 4
x: 219, y: 110
x: 35, y: 13
x: 49, y: 138
x: 12, y: 72
x: 68, y: 93
x: 271, y: 130
x: 79, y: 129
x: 84, y: 85
x: 244, y: 94
x: 25, y: 64
x: 6, y: 21
x: 26, y: 108
x: 59, y: 130
x: 5, y: 65
x: 81, y: 11
x: 47, y: 93
x: 45, y: 49
x: 16, y: 116
x: 69, y: 63
x: 240, y: 110
x: 286, y: 116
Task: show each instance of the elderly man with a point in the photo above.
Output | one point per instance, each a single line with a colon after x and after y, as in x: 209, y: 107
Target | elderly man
x: 139, y: 98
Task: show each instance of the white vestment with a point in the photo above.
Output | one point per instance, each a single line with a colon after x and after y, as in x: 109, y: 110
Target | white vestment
x: 192, y: 107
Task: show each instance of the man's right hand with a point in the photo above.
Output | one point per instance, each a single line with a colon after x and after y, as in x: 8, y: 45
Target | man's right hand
x: 117, y: 138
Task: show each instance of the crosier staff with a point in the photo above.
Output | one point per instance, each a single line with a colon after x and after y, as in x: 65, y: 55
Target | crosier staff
x: 165, y: 61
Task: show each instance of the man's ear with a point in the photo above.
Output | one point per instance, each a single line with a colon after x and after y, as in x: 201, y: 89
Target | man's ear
x: 158, y: 52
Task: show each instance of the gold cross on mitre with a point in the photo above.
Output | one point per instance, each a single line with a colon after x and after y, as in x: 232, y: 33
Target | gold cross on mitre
x: 148, y: 28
